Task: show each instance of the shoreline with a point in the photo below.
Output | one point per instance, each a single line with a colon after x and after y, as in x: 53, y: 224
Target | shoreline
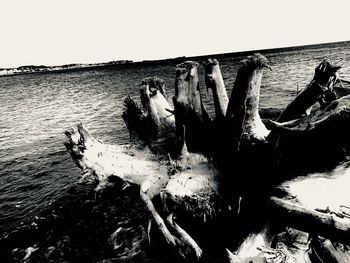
x: 32, y: 69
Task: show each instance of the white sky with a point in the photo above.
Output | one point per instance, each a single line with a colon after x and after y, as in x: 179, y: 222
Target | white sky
x: 81, y: 31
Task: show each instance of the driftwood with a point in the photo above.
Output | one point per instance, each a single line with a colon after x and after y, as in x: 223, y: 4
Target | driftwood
x: 329, y: 251
x: 214, y: 81
x: 319, y: 90
x: 330, y: 225
x: 192, y: 174
x: 196, y: 188
x: 323, y: 136
x: 154, y: 125
x: 289, y: 245
x: 189, y: 109
x: 242, y: 110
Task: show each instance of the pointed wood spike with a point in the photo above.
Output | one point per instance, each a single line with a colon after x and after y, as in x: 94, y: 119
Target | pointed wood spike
x: 189, y: 109
x: 214, y: 81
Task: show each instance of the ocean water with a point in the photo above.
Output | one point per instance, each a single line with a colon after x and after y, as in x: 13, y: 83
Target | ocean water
x: 36, y: 109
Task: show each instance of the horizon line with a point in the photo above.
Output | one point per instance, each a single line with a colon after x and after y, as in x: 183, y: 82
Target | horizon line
x: 240, y: 52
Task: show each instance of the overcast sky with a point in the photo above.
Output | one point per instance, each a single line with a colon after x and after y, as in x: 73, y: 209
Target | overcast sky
x: 82, y: 31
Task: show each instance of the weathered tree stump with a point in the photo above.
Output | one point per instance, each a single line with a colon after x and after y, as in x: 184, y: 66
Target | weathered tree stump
x: 315, y: 142
x: 189, y: 183
x: 215, y: 82
x: 189, y: 109
x: 320, y: 89
x: 242, y: 156
x: 154, y: 124
x: 242, y: 110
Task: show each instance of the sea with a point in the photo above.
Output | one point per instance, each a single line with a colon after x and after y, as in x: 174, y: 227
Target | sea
x: 36, y: 172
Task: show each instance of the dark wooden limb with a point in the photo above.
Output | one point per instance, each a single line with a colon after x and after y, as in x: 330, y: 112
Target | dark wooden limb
x: 156, y: 107
x: 342, y: 87
x: 154, y: 124
x: 324, y: 224
x: 155, y: 83
x: 189, y: 109
x: 328, y: 251
x: 315, y: 142
x: 184, y: 236
x: 135, y: 121
x: 214, y: 81
x: 320, y: 90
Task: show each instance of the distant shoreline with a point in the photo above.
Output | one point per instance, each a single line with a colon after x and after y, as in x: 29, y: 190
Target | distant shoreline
x: 30, y: 69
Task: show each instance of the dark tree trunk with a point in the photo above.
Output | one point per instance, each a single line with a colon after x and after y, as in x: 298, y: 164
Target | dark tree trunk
x: 189, y: 109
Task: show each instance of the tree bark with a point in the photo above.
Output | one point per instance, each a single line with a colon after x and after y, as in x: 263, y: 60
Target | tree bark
x: 328, y: 251
x: 215, y: 82
x: 192, y: 189
x: 154, y: 124
x: 295, y: 215
x: 320, y: 90
x: 191, y: 180
x: 189, y: 109
x: 315, y: 142
x: 242, y: 111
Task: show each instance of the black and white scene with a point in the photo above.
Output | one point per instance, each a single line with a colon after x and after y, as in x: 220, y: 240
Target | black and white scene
x: 175, y: 131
